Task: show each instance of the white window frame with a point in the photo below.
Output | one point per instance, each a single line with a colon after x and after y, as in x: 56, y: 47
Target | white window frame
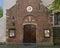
x: 54, y: 24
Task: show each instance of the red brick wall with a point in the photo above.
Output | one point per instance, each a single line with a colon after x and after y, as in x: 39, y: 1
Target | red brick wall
x: 39, y: 13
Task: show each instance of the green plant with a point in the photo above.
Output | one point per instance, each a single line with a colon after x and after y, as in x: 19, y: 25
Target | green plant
x: 1, y: 12
x: 55, y: 6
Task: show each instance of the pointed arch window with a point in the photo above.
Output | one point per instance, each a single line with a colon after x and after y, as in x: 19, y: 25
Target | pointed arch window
x: 13, y: 21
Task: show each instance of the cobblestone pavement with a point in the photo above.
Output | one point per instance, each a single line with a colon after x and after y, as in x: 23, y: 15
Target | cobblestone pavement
x: 27, y: 46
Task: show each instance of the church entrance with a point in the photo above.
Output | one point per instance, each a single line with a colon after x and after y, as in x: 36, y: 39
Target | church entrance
x: 29, y: 33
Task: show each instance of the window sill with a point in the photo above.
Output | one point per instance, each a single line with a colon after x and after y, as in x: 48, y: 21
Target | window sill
x: 56, y: 25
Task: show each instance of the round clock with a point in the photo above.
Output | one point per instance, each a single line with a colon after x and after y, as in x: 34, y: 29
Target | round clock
x: 29, y: 9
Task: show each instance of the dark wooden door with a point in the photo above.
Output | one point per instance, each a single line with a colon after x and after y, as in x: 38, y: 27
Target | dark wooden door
x: 29, y: 33
x: 56, y: 35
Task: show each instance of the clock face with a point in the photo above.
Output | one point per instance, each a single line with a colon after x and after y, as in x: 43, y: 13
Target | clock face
x: 29, y: 9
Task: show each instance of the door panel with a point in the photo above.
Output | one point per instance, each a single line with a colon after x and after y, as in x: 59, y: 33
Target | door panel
x: 29, y: 34
x: 33, y: 33
x: 56, y: 35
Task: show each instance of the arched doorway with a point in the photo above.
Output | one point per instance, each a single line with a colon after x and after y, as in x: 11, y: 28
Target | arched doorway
x: 29, y: 33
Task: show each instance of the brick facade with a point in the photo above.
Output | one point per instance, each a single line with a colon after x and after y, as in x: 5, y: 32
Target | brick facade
x: 39, y: 15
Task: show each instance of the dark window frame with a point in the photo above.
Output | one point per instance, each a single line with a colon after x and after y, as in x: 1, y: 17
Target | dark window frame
x: 14, y: 33
x: 44, y: 33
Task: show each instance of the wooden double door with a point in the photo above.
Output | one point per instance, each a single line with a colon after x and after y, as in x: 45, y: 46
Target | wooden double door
x: 29, y: 33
